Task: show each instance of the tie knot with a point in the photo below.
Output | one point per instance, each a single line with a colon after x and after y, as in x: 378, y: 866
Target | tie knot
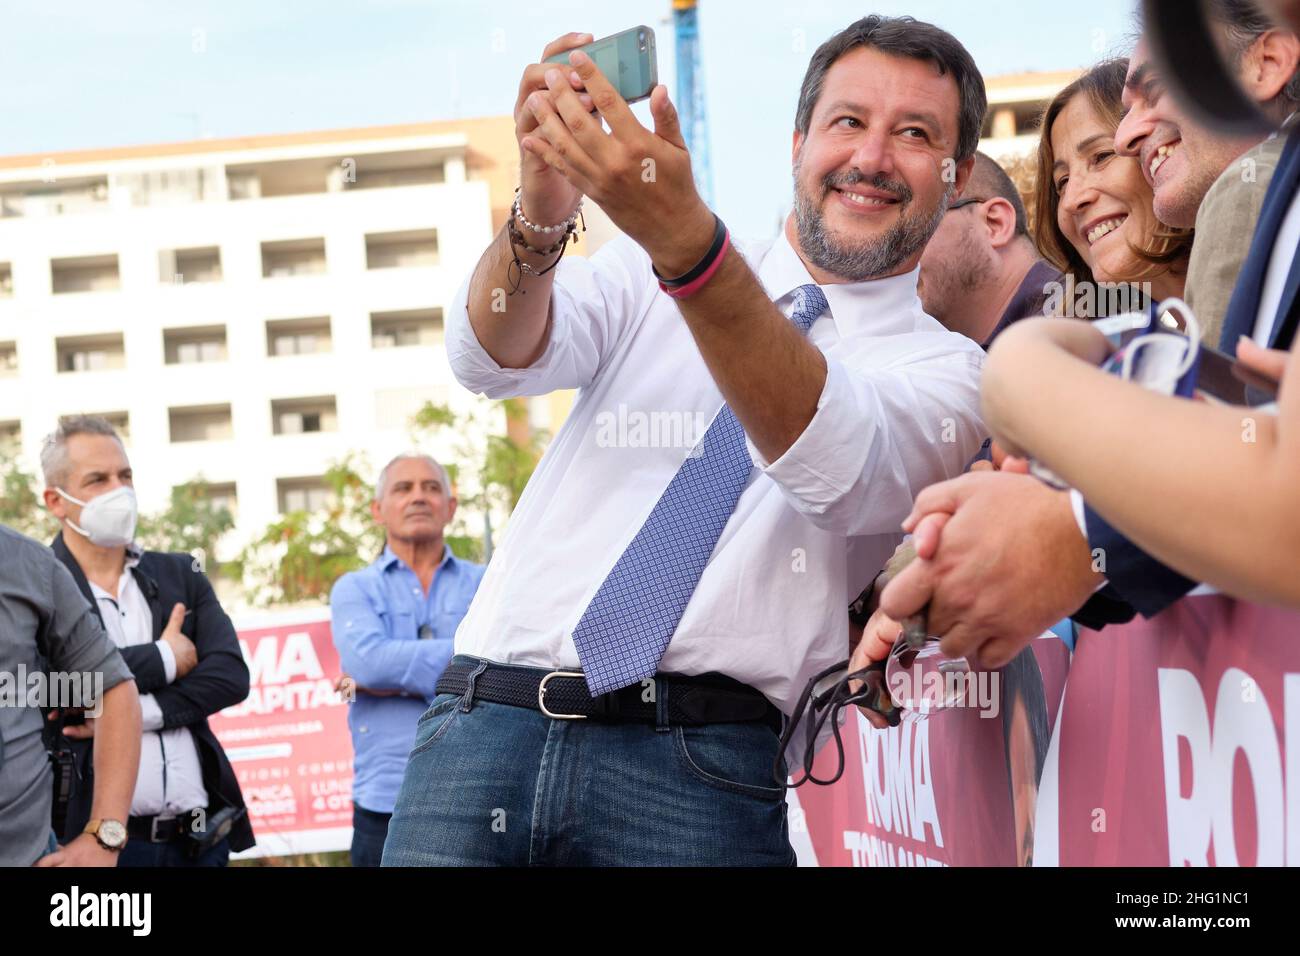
x: 809, y: 303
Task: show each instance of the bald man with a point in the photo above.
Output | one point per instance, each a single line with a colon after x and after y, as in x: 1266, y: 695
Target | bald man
x: 980, y: 271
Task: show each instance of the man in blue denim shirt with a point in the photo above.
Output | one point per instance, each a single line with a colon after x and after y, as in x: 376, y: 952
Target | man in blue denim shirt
x: 393, y: 624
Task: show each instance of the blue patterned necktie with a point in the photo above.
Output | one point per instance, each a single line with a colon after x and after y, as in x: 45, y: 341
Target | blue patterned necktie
x: 627, y: 626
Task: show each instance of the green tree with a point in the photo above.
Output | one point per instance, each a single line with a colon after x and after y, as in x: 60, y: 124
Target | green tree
x: 21, y: 507
x: 300, y: 556
x: 498, y: 469
x: 191, y: 522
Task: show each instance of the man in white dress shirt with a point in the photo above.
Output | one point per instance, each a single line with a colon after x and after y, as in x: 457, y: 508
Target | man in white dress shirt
x: 181, y: 647
x: 748, y: 435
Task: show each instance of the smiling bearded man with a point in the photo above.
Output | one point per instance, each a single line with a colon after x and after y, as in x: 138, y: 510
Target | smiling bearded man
x: 654, y: 610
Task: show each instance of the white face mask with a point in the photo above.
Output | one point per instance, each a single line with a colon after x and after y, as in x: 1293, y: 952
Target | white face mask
x: 109, y: 520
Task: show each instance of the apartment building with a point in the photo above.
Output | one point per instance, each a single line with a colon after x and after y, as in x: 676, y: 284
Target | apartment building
x: 247, y: 311
x: 1016, y: 103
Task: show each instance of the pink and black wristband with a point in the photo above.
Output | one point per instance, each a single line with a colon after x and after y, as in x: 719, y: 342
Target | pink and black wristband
x: 693, y: 280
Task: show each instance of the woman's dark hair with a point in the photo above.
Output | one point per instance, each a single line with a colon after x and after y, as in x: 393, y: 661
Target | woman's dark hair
x: 907, y: 37
x: 1103, y: 85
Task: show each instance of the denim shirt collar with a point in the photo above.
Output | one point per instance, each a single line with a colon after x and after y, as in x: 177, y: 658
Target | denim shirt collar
x: 387, y: 558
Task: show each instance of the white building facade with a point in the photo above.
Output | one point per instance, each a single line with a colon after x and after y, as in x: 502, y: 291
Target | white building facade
x: 247, y: 311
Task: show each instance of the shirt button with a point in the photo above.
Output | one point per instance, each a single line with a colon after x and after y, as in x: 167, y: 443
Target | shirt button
x: 365, y: 730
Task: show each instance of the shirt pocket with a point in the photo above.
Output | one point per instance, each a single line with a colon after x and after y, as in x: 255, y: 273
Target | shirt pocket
x: 400, y: 625
x: 449, y: 616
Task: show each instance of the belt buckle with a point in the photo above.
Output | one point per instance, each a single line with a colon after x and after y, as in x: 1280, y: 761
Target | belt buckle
x: 541, y: 696
x: 153, y: 830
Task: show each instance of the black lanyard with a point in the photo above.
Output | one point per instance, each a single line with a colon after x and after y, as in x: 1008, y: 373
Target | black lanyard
x: 827, y: 705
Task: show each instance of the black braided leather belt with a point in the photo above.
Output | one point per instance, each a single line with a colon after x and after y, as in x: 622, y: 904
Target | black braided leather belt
x: 563, y: 695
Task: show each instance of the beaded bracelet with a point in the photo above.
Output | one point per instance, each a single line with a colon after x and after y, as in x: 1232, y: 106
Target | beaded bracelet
x: 517, y: 211
x: 518, y: 268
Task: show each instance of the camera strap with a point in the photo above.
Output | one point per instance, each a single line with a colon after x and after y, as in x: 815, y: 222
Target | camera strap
x: 814, y: 709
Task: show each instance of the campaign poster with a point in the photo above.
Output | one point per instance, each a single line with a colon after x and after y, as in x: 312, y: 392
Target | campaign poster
x: 288, y: 741
x: 956, y: 788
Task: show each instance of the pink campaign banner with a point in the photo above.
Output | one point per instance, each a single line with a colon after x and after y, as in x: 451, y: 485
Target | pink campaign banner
x: 1175, y: 743
x: 1179, y: 742
x: 288, y: 741
x: 958, y: 788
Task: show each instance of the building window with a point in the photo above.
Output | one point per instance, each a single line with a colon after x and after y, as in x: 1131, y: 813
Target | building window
x: 402, y: 250
x: 286, y: 177
x: 405, y: 168
x: 191, y: 346
x: 120, y: 421
x: 67, y: 197
x: 298, y: 336
x: 168, y: 187
x: 183, y: 266
x: 221, y: 495
x: 85, y: 274
x: 300, y: 416
x: 200, y: 423
x: 8, y: 358
x: 90, y: 353
x: 6, y: 280
x: 395, y: 407
x: 409, y: 327
x: 294, y: 257
x: 303, y: 494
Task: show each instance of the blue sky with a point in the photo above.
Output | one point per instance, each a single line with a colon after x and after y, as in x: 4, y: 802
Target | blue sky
x: 91, y: 73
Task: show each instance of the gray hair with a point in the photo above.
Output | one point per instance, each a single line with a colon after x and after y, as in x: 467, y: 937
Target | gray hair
x: 382, y: 480
x: 54, y: 449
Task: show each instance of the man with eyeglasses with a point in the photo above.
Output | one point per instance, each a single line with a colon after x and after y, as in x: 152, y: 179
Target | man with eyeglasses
x: 980, y: 271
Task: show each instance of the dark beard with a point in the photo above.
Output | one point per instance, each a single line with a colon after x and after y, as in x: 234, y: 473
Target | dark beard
x: 873, y: 258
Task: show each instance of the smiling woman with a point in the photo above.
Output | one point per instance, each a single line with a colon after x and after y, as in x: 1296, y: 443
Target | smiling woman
x: 1094, y: 217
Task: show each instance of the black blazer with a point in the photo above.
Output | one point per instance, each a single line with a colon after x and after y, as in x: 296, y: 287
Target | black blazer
x: 219, y: 680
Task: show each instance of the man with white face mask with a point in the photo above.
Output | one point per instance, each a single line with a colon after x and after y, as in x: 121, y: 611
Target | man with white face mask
x: 161, y: 612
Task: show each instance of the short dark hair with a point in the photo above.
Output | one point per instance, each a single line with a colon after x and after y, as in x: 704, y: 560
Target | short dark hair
x: 907, y: 37
x: 988, y: 180
x: 1244, y: 23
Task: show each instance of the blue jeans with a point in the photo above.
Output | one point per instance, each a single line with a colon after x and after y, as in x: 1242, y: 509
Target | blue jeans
x: 495, y: 785
x: 369, y: 830
x: 144, y: 853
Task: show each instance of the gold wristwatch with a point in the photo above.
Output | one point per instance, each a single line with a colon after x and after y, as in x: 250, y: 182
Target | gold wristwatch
x: 111, y: 834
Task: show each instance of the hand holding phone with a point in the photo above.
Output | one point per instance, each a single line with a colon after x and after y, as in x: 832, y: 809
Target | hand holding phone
x: 626, y: 59
x: 547, y: 196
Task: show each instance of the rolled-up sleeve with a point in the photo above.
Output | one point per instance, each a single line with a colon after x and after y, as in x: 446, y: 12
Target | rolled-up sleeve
x: 78, y: 642
x: 881, y: 433
x: 594, y: 302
